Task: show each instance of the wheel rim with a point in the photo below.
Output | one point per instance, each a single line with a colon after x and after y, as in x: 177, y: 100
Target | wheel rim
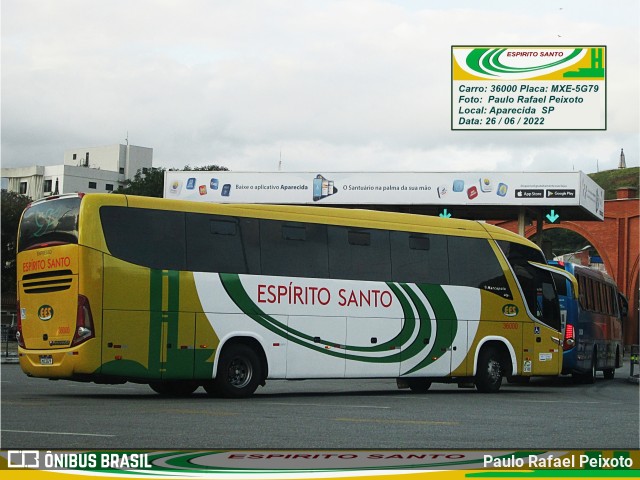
x: 240, y: 372
x: 493, y: 371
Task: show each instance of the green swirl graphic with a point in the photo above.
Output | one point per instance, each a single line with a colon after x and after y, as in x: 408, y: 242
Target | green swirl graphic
x: 409, y: 302
x: 486, y: 61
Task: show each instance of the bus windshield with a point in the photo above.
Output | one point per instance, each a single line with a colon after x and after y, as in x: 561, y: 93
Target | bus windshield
x: 537, y: 284
x: 50, y: 223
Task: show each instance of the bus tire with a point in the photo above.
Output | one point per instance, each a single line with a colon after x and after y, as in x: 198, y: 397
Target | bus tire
x: 610, y: 373
x: 174, y: 388
x: 419, y: 385
x: 490, y: 370
x: 619, y: 359
x: 590, y: 375
x: 239, y: 371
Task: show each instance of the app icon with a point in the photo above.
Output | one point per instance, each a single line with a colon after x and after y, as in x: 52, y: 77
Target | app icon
x: 472, y: 192
x: 486, y: 185
x: 191, y: 183
x: 502, y: 189
x: 442, y: 191
x: 226, y: 189
x: 322, y: 188
x: 202, y: 189
x: 214, y: 184
x: 176, y: 186
x: 458, y: 185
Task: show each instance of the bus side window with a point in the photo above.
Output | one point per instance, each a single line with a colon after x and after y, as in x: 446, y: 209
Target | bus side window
x: 359, y: 254
x: 582, y: 294
x: 419, y: 258
x: 473, y: 263
x: 589, y: 293
x: 293, y: 249
x: 147, y: 237
x: 216, y: 244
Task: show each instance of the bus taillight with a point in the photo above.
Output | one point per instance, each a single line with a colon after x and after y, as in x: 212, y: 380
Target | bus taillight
x: 84, y: 322
x: 19, y: 337
x: 569, y: 337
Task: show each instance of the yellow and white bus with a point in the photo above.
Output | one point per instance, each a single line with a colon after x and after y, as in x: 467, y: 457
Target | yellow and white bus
x: 179, y: 295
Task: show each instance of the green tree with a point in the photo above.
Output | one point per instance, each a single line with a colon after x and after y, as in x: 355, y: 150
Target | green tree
x: 12, y: 206
x: 206, y: 168
x: 149, y: 182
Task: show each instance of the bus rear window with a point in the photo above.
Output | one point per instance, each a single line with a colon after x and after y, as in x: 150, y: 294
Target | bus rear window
x: 49, y: 222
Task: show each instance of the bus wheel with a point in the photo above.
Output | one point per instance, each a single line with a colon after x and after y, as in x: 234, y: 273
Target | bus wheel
x: 610, y: 373
x: 590, y: 375
x: 239, y: 372
x: 174, y: 388
x: 419, y: 385
x: 489, y: 374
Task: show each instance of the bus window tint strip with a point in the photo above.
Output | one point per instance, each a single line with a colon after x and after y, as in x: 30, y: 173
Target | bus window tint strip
x: 215, y: 243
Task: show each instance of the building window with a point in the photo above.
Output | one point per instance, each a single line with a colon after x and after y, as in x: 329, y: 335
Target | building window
x: 23, y: 188
x: 93, y: 185
x: 47, y: 186
x: 122, y: 170
x: 75, y: 156
x: 109, y: 187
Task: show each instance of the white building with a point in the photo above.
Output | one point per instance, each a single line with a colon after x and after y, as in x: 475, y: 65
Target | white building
x: 93, y: 169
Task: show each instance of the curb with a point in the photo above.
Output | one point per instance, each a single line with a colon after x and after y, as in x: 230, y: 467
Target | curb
x: 9, y: 359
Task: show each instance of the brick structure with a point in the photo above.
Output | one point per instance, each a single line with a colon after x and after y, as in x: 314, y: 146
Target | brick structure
x: 617, y: 241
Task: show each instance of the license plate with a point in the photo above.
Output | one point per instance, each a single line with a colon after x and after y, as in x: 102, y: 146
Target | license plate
x: 46, y: 360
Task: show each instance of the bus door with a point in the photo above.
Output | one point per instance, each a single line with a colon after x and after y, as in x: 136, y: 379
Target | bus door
x: 544, y: 335
x: 175, y: 329
x: 177, y: 347
x: 317, y: 347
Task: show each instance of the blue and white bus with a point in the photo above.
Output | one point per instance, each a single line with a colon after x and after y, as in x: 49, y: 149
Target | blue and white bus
x: 592, y: 323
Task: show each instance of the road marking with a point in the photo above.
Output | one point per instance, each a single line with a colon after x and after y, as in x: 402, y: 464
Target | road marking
x: 59, y: 433
x: 395, y: 422
x: 187, y: 411
x: 26, y: 403
x: 287, y: 404
x: 560, y: 401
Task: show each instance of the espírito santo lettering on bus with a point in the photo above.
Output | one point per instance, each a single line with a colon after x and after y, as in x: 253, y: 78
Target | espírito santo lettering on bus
x: 303, y: 295
x: 45, y: 264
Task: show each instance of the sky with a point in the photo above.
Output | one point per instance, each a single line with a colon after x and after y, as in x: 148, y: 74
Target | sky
x: 300, y: 85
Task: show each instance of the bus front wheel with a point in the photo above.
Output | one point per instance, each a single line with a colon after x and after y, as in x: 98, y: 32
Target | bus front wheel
x: 239, y: 372
x: 490, y: 370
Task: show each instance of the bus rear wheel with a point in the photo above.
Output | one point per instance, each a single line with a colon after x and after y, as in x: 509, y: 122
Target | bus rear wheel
x: 590, y: 375
x: 239, y: 372
x: 490, y: 369
x: 610, y: 373
x: 174, y: 388
x: 419, y: 385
